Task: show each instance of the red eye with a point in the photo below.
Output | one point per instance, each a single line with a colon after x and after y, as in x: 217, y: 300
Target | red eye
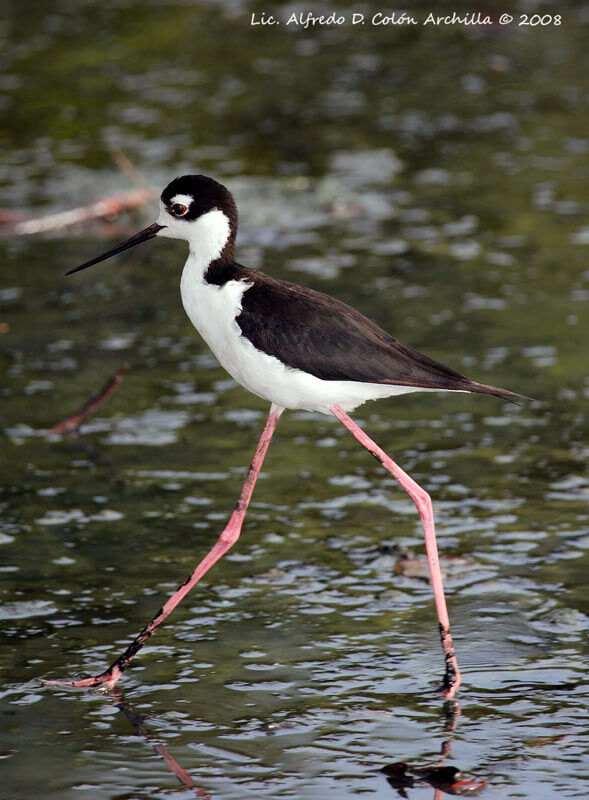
x: 178, y: 210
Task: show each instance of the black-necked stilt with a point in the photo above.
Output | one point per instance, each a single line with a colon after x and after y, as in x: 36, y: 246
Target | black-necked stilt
x: 294, y: 347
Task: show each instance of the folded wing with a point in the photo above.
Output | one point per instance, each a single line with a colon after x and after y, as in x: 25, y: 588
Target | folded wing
x: 318, y: 334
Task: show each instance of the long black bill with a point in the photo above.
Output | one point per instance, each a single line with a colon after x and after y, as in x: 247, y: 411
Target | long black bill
x: 142, y: 236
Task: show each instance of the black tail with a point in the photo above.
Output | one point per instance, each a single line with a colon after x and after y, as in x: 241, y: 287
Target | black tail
x: 504, y: 394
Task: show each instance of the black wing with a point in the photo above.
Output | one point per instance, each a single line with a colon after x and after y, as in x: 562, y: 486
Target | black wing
x: 318, y: 334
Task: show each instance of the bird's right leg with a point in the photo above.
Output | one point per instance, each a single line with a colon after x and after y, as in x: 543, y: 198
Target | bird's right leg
x: 226, y: 540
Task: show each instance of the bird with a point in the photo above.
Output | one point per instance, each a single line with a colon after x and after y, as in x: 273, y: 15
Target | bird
x: 296, y: 348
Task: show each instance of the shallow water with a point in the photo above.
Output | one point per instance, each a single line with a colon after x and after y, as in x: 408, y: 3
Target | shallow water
x: 449, y: 204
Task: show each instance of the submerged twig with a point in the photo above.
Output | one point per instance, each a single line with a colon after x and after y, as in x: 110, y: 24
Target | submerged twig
x: 107, y: 207
x: 68, y: 428
x: 72, y: 423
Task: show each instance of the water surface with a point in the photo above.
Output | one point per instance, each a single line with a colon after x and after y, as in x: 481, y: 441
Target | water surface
x: 437, y: 181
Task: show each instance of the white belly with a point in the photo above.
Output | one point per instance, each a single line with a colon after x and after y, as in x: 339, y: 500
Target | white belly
x: 212, y: 310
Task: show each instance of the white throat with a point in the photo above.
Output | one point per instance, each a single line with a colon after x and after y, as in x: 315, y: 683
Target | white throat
x: 206, y: 237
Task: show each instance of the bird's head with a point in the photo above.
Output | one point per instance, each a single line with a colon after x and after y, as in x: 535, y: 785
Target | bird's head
x: 195, y: 208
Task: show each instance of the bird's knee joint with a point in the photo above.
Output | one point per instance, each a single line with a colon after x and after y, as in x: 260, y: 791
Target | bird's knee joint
x: 423, y: 498
x: 230, y: 535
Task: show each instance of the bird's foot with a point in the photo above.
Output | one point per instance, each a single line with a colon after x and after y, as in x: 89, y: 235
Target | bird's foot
x: 450, y: 692
x: 105, y: 682
x: 451, y: 680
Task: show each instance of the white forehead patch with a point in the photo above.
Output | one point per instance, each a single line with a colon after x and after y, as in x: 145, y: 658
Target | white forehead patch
x: 184, y: 199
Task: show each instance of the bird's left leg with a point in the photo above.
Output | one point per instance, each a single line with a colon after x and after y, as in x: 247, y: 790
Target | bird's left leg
x: 227, y: 538
x: 423, y: 502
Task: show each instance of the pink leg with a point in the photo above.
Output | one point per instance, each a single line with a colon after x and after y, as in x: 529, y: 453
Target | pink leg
x: 424, y: 505
x: 227, y: 538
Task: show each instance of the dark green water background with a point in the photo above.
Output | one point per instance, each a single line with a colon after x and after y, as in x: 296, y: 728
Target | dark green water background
x: 434, y: 177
